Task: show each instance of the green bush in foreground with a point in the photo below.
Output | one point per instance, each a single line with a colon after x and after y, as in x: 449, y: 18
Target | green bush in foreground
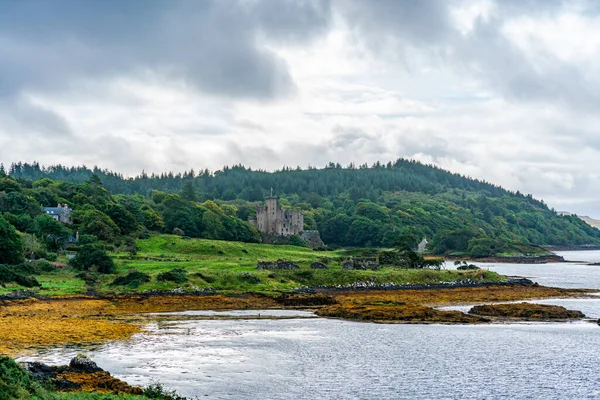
x: 16, y: 383
x: 90, y: 256
x: 175, y: 275
x: 18, y: 274
x: 11, y: 245
x: 133, y: 279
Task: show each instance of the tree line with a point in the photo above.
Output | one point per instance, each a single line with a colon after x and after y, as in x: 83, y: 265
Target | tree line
x: 363, y: 206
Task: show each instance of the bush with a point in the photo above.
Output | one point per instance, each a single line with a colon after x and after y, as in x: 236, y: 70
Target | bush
x: 16, y: 383
x: 247, y: 277
x: 205, y: 278
x: 51, y: 256
x: 175, y: 275
x: 88, y: 277
x: 93, y: 257
x: 296, y: 240
x: 18, y: 274
x: 133, y: 279
x: 42, y: 266
x: 178, y: 232
x: 158, y: 392
x: 11, y: 245
x: 303, y: 276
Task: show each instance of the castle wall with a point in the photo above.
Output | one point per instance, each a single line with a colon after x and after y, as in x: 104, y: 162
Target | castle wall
x: 273, y: 219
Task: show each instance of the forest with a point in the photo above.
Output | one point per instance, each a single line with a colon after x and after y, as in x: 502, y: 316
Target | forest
x: 354, y: 206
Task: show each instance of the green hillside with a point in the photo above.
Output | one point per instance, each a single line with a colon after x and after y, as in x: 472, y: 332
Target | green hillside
x: 364, y: 206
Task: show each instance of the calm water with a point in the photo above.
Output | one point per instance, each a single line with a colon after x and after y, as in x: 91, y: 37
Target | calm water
x: 565, y: 275
x: 329, y: 359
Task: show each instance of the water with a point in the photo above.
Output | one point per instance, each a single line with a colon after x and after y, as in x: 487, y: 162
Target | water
x: 570, y: 275
x: 330, y: 359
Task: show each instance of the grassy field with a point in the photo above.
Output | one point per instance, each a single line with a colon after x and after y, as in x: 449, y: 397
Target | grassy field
x: 230, y: 267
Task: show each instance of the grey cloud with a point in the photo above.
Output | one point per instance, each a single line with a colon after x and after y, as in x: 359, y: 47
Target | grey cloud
x: 209, y: 44
x: 392, y: 28
x: 31, y: 120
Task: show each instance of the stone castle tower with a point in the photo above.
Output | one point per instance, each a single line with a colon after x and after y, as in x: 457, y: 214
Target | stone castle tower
x: 271, y: 218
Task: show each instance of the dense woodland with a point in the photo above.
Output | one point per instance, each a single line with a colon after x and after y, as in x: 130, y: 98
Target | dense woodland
x: 376, y: 206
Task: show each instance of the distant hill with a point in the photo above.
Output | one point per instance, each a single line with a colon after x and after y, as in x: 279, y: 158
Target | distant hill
x: 360, y: 206
x: 590, y: 221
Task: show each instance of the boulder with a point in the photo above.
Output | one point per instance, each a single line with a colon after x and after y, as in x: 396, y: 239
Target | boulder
x: 84, y: 364
x: 277, y: 265
x: 363, y: 263
x: 312, y: 239
x: 318, y: 265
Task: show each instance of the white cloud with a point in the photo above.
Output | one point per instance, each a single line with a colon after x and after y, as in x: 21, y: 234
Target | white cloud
x: 502, y: 91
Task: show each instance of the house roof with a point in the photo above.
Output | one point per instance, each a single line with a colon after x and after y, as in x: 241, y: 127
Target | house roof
x: 54, y: 210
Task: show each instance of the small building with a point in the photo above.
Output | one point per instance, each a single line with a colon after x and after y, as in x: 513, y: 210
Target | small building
x: 61, y: 213
x: 272, y: 218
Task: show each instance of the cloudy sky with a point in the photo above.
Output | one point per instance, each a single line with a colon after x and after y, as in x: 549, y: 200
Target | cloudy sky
x: 507, y: 91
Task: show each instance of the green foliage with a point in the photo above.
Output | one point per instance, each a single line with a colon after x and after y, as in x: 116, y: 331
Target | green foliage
x: 349, y: 206
x: 95, y: 222
x: 9, y: 185
x: 176, y: 275
x: 158, y: 392
x: 18, y: 274
x: 133, y: 279
x: 11, y: 245
x: 16, y: 383
x: 92, y: 257
x: 122, y: 218
x: 188, y: 192
x: 296, y: 240
x: 151, y: 219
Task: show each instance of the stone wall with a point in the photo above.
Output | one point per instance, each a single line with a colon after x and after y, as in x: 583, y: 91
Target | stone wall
x: 276, y: 265
x: 312, y: 239
x: 362, y: 263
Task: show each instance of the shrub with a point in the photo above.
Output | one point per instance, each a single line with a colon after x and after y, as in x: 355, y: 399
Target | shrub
x: 16, y: 383
x: 92, y: 257
x: 18, y: 274
x: 88, y: 277
x: 11, y: 245
x: 175, y: 275
x: 42, y: 266
x: 158, y: 392
x: 178, y: 232
x: 205, y: 278
x: 303, y: 276
x: 247, y: 277
x: 133, y: 279
x: 296, y: 240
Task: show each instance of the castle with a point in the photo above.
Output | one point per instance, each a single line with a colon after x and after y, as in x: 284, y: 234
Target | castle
x: 272, y: 218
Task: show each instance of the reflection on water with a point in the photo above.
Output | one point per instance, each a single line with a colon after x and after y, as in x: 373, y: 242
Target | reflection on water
x: 331, y: 359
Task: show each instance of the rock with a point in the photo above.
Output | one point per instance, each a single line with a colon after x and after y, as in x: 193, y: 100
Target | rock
x: 277, y: 265
x: 84, y: 364
x: 40, y: 371
x: 312, y: 239
x: 526, y: 311
x: 361, y: 264
x: 318, y: 265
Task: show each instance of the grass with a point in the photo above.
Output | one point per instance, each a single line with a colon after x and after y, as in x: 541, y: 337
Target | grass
x: 230, y: 267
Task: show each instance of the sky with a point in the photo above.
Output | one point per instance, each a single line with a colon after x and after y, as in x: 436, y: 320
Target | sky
x: 506, y: 91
